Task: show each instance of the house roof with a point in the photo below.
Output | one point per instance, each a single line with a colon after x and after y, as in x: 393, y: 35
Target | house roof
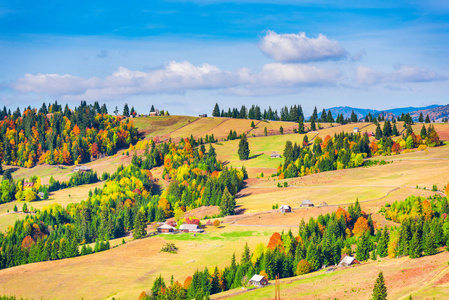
x: 166, y: 226
x: 188, y: 226
x: 285, y: 206
x: 347, y: 259
x: 323, y: 203
x: 257, y: 278
x: 306, y: 202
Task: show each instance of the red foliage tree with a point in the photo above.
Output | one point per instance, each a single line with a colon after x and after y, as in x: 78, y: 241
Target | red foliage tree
x: 94, y: 150
x: 275, y: 242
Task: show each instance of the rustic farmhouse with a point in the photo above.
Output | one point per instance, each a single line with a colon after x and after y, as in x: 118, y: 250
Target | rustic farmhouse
x: 166, y: 229
x: 190, y: 228
x: 307, y: 203
x: 285, y: 208
x: 356, y: 130
x: 203, y: 116
x: 258, y: 280
x: 348, y: 261
x: 154, y: 113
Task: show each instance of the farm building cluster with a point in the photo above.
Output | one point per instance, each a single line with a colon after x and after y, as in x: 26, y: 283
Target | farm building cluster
x: 171, y: 228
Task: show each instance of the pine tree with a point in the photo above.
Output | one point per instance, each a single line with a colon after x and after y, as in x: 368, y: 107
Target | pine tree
x: 430, y: 247
x: 216, y: 111
x: 140, y: 230
x: 380, y: 290
x: 152, y: 109
x: 423, y: 132
x: 227, y: 204
x: 243, y: 150
x: 378, y: 132
x: 382, y: 246
x: 427, y: 119
x: 301, y: 126
x: 312, y: 125
x: 394, y: 132
x: 415, y: 246
x: 126, y: 110
x: 421, y: 118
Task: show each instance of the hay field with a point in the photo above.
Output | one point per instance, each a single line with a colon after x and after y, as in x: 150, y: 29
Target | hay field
x: 161, y: 125
x: 423, y: 278
x: 125, y: 271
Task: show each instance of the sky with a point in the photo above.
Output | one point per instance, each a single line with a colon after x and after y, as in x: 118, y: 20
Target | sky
x: 184, y: 56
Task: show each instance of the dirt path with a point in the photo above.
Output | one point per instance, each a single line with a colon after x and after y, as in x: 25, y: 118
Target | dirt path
x: 428, y: 283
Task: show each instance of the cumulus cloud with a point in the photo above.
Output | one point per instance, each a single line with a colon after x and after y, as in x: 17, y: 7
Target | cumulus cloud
x: 400, y: 74
x: 175, y: 77
x: 300, y: 48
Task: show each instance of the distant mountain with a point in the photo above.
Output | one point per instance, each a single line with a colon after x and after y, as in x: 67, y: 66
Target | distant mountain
x: 362, y: 112
x: 436, y: 113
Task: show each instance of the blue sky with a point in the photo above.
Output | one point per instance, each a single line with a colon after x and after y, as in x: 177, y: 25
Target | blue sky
x: 186, y: 55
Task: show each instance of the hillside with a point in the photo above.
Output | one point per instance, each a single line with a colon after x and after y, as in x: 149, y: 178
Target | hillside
x: 435, y: 113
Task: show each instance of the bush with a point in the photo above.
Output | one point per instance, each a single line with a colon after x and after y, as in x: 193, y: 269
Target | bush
x: 216, y: 223
x: 303, y: 267
x: 170, y: 248
x: 285, y: 184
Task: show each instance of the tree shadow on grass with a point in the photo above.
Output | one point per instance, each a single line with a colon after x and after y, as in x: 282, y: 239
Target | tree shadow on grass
x: 255, y: 156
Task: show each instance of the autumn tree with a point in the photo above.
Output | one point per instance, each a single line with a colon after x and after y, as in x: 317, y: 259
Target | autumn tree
x: 94, y: 151
x: 303, y: 267
x: 361, y: 227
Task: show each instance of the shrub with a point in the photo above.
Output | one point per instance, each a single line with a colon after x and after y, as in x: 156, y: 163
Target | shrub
x: 285, y: 184
x: 216, y: 223
x: 303, y: 267
x: 170, y: 248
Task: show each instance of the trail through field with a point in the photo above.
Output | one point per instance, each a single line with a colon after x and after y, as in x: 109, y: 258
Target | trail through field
x: 428, y: 283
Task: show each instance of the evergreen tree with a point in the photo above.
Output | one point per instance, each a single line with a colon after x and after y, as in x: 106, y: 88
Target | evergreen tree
x: 312, y: 125
x: 152, y: 108
x: 301, y: 125
x: 330, y: 118
x: 427, y: 119
x: 216, y: 111
x: 380, y: 290
x: 243, y: 150
x: 363, y: 247
x: 421, y: 118
x: 394, y: 132
x: 227, y: 204
x: 140, y: 230
x: 126, y: 110
x: 378, y: 132
x: 423, y: 132
x: 382, y: 245
x: 430, y: 247
x: 415, y: 246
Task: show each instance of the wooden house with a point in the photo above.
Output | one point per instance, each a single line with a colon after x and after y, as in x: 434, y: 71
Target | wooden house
x: 82, y: 169
x: 258, y: 280
x: 285, y: 208
x: 190, y: 228
x: 275, y: 155
x: 165, y: 228
x: 348, y: 261
x: 307, y: 203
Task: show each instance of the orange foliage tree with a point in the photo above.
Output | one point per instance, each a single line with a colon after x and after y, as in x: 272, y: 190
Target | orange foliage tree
x: 361, y: 226
x: 275, y: 242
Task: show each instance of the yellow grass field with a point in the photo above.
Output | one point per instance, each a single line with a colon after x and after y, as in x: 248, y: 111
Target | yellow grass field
x: 423, y: 278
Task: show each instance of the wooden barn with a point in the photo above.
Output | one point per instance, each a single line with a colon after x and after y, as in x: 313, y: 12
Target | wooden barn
x: 348, y: 261
x: 258, y: 280
x: 307, y: 203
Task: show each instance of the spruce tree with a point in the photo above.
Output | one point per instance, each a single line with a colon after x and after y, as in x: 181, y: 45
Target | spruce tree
x: 227, y: 204
x: 430, y: 247
x: 394, y: 132
x: 421, y: 118
x: 382, y: 246
x: 243, y: 150
x: 378, y: 135
x: 301, y: 125
x: 312, y: 125
x: 380, y: 290
x: 126, y: 110
x: 427, y: 119
x: 140, y: 230
x: 216, y: 111
x: 415, y: 246
x: 423, y: 132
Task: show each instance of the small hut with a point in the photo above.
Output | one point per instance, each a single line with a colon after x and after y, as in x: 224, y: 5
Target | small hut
x: 323, y: 204
x: 307, y: 203
x: 190, y: 228
x: 285, y: 208
x: 348, y: 261
x: 275, y: 155
x: 258, y: 280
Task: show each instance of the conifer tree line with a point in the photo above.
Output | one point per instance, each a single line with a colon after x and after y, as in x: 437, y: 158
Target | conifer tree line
x: 320, y: 242
x: 292, y: 114
x: 54, y: 135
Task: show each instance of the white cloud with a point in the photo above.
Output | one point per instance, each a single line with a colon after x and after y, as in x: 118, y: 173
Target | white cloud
x: 300, y: 48
x: 176, y: 77
x: 401, y: 74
